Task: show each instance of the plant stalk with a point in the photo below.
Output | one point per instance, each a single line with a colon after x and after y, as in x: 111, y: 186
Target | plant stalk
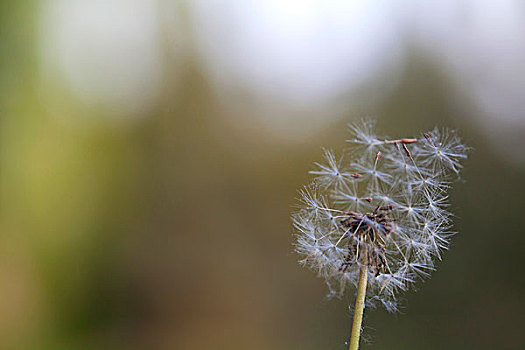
x: 359, y: 308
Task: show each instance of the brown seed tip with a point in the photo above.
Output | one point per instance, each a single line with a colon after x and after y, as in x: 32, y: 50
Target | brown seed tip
x: 356, y: 176
x: 397, y: 146
x: 368, y: 199
x: 378, y: 155
x: 405, y: 141
x: 427, y: 136
x: 405, y: 148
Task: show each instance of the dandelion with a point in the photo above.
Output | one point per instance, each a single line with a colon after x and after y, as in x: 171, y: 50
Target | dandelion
x: 377, y: 218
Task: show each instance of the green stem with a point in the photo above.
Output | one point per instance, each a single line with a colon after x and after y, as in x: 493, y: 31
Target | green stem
x: 359, y: 308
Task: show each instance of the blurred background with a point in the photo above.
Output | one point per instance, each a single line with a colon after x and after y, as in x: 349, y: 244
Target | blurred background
x: 151, y: 152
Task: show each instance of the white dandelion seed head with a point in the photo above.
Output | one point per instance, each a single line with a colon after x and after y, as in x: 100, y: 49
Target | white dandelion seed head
x: 386, y: 207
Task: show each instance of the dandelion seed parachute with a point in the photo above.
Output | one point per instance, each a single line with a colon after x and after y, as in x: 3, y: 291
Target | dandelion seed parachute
x: 385, y: 200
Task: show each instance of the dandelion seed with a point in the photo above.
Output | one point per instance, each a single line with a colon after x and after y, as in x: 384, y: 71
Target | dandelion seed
x: 378, y: 222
